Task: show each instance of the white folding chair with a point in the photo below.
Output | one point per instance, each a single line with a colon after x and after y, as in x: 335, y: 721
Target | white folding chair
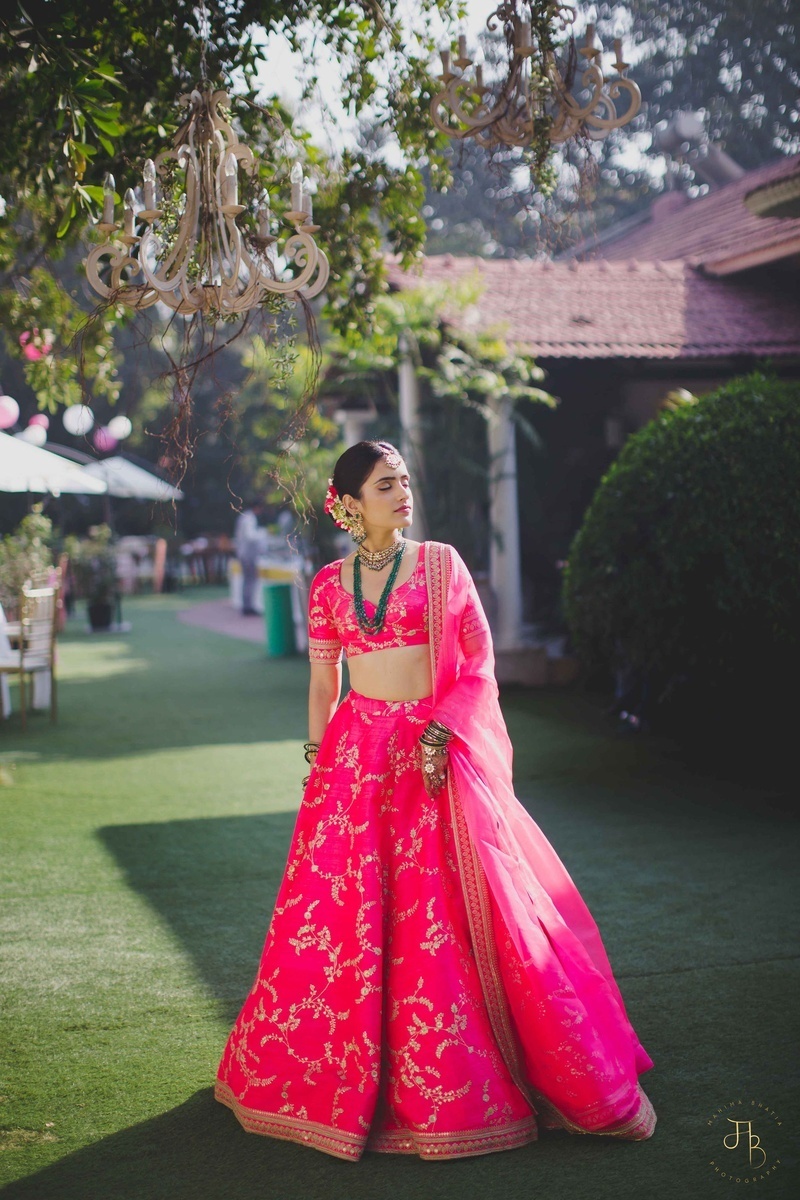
x: 35, y: 634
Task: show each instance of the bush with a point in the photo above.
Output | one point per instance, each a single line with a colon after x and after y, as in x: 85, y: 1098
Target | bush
x: 686, y: 569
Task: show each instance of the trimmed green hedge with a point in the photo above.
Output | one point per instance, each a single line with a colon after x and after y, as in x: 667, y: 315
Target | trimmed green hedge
x: 686, y: 568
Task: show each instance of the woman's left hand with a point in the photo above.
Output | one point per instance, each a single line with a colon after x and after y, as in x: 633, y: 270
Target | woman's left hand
x: 435, y: 761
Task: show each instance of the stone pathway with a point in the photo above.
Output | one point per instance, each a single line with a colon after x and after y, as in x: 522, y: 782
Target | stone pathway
x: 221, y: 617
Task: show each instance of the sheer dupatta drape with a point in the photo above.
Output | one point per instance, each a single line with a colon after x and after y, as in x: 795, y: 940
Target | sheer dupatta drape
x: 576, y: 1027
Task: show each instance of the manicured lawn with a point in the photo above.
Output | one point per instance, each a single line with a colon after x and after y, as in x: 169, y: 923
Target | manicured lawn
x: 143, y: 838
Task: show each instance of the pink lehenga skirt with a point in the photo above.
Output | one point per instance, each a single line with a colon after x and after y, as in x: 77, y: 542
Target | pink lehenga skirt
x: 369, y: 1024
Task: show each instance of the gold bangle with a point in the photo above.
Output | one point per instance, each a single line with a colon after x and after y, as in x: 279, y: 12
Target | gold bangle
x: 437, y: 734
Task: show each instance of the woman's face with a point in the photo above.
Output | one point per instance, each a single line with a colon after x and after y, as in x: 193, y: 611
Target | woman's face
x: 386, y: 501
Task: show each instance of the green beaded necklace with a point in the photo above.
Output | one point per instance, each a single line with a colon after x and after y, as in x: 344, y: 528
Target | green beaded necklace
x: 373, y: 625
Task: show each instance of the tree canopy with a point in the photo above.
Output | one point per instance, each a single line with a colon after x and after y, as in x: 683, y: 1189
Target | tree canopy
x: 92, y: 89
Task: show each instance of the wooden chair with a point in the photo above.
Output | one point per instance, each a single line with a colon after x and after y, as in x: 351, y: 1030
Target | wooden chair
x: 35, y: 634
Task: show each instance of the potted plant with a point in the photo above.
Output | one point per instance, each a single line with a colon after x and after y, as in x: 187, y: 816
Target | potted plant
x: 25, y: 555
x: 94, y: 566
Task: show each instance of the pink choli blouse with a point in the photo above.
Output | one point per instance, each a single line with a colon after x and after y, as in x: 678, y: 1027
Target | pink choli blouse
x: 332, y: 623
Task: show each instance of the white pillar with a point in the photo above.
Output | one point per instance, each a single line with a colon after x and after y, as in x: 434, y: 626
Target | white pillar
x: 505, y: 573
x: 411, y: 436
x: 353, y: 422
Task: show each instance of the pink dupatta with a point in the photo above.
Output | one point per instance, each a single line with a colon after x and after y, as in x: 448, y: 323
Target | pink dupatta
x: 557, y: 1010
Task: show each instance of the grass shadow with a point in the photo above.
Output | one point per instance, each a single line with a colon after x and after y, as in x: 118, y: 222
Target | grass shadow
x: 198, y: 1151
x: 213, y: 882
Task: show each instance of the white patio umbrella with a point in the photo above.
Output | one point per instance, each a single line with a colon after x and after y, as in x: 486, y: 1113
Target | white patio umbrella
x: 27, y: 468
x: 125, y: 479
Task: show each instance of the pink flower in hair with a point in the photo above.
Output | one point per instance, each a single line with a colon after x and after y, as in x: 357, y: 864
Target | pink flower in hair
x: 335, y: 508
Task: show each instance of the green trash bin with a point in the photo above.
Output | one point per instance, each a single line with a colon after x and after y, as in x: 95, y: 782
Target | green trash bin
x: 278, y: 619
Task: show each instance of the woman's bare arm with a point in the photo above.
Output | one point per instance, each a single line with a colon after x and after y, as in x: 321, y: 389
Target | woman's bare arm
x: 324, y: 689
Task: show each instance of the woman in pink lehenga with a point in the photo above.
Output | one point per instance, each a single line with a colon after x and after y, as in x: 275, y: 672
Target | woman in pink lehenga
x: 432, y: 982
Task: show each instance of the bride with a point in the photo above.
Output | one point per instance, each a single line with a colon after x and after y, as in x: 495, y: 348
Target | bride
x: 432, y: 982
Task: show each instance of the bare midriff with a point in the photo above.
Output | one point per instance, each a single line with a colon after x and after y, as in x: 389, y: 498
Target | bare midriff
x: 397, y: 673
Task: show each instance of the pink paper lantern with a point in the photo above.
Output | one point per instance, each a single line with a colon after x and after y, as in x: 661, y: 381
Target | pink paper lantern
x: 103, y: 440
x: 9, y: 412
x: 31, y: 351
x: 40, y: 419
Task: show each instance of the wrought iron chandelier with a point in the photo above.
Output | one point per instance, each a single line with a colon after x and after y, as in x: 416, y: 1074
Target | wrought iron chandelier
x: 535, y: 88
x: 191, y: 254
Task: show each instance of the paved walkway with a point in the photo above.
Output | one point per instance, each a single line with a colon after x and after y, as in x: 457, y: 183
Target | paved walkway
x: 221, y: 617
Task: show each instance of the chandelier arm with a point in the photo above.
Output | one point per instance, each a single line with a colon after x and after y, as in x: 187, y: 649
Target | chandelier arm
x: 615, y: 88
x: 450, y: 98
x: 315, y: 288
x: 304, y: 252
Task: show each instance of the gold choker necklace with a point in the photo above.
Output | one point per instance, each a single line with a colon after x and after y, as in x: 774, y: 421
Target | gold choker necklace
x: 376, y: 560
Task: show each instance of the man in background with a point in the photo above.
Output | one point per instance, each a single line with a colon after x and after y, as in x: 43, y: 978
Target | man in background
x: 249, y: 540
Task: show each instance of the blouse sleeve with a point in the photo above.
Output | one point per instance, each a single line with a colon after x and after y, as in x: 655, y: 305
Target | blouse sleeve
x: 474, y: 629
x: 323, y: 639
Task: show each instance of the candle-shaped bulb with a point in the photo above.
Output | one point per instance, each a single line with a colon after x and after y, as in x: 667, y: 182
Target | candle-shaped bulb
x: 479, y: 76
x: 445, y: 62
x: 462, y: 46
x: 108, y: 199
x: 263, y: 214
x: 130, y: 207
x: 524, y: 35
x: 296, y: 177
x: 308, y: 207
x: 149, y: 177
x: 618, y: 48
x: 230, y: 183
x: 590, y: 36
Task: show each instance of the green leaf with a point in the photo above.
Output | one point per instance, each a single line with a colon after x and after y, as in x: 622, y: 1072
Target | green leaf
x: 96, y: 193
x: 69, y: 212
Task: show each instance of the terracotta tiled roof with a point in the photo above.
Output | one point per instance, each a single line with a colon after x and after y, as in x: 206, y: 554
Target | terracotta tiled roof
x: 661, y: 310
x: 716, y: 230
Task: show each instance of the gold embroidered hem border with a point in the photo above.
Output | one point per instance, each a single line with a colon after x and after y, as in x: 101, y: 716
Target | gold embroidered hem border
x: 638, y: 1128
x: 350, y: 1146
x: 455, y: 1145
x: 337, y: 1142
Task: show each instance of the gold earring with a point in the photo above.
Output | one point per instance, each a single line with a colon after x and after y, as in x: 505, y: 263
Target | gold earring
x: 357, y: 530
